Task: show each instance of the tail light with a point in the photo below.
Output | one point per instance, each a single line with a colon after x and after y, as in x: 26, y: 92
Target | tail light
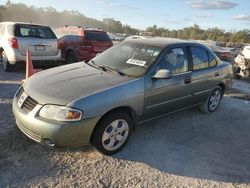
x: 13, y: 43
x: 59, y: 44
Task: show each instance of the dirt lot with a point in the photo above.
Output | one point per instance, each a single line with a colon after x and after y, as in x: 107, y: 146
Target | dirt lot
x: 188, y: 149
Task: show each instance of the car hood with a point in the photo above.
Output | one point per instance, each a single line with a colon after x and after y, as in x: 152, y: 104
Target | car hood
x: 64, y: 84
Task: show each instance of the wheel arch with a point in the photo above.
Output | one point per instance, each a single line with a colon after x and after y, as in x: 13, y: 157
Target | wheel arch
x: 223, y: 87
x: 128, y: 110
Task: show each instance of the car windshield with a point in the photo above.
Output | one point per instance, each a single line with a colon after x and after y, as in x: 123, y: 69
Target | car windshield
x: 34, y: 31
x: 128, y: 58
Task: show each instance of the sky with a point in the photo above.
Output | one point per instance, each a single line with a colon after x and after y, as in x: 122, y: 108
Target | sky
x: 172, y: 14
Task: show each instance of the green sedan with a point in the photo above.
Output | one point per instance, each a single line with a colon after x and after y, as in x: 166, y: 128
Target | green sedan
x: 102, y: 100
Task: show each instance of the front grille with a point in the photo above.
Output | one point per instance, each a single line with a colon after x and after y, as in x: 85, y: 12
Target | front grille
x: 29, y: 104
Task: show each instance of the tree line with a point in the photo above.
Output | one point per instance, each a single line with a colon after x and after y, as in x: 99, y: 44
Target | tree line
x: 50, y: 16
x: 196, y: 33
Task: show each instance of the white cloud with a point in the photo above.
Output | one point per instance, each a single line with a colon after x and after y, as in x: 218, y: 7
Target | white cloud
x: 186, y: 20
x: 242, y: 17
x: 114, y: 5
x: 213, y: 4
x: 209, y: 15
x: 117, y: 5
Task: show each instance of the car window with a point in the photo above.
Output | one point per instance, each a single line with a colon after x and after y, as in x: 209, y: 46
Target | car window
x: 174, y: 60
x: 34, y: 31
x: 200, y: 58
x: 100, y: 36
x: 212, y: 60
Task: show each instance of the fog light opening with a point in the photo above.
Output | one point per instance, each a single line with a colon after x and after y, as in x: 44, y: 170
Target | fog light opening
x: 49, y: 142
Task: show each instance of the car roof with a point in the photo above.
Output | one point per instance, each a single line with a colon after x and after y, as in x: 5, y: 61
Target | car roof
x: 85, y: 28
x: 160, y: 41
x: 25, y: 23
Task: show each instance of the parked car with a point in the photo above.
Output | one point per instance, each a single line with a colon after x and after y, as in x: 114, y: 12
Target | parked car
x: 16, y: 37
x: 242, y: 63
x: 82, y: 43
x: 223, y: 53
x: 102, y: 100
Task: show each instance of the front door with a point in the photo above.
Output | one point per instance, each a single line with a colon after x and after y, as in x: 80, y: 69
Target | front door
x: 163, y: 96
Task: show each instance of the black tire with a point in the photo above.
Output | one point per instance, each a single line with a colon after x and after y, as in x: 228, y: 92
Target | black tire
x: 238, y: 77
x: 5, y: 63
x: 70, y: 57
x: 110, y: 139
x: 213, y: 101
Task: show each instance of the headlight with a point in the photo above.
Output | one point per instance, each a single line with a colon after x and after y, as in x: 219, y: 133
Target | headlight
x: 60, y: 113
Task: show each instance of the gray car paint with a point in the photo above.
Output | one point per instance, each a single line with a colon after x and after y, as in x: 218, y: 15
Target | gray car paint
x: 96, y: 92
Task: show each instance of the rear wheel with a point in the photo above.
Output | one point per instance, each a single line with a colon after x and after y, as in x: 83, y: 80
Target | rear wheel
x: 213, y: 101
x: 112, y: 133
x: 70, y: 57
x: 5, y: 62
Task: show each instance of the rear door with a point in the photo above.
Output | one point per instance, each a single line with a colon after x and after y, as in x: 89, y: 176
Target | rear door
x: 205, y: 73
x: 99, y: 40
x: 41, y: 40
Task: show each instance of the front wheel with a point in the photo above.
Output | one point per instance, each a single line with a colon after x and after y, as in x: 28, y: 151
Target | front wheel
x: 112, y: 133
x: 213, y: 101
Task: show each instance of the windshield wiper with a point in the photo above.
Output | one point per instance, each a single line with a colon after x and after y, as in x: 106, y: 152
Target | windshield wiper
x: 95, y: 65
x: 104, y: 68
x: 114, y: 70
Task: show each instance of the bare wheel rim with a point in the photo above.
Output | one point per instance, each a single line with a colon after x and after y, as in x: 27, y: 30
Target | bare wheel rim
x: 115, y: 134
x: 214, y: 100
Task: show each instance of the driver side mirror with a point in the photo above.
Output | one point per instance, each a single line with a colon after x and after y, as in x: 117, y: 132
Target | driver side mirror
x: 162, y: 74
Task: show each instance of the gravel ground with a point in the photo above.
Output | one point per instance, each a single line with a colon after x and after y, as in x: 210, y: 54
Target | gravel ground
x: 187, y: 149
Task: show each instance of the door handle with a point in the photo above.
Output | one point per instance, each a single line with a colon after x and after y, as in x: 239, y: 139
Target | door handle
x: 187, y: 80
x: 217, y: 74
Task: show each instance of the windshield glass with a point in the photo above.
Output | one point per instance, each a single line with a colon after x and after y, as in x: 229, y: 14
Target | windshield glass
x: 129, y: 58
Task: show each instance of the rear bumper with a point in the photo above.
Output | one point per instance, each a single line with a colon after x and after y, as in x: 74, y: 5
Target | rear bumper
x: 15, y: 56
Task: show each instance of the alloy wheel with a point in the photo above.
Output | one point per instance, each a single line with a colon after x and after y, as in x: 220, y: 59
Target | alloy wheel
x: 214, y: 100
x: 115, y: 134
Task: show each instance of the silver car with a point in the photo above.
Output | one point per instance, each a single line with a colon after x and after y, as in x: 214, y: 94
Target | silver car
x: 101, y: 101
x: 16, y: 37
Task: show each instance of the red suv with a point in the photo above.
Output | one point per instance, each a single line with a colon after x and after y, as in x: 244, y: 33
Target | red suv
x: 81, y: 43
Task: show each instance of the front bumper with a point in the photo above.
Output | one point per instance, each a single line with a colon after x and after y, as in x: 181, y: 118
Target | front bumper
x: 61, y: 134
